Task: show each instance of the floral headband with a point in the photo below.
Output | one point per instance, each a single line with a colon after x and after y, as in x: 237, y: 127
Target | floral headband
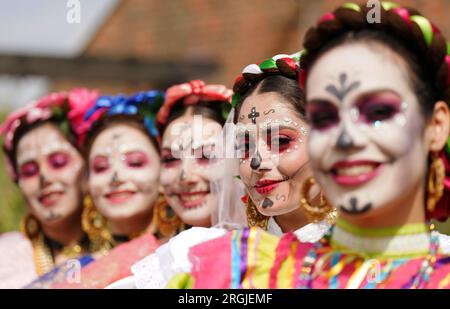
x: 286, y: 65
x: 145, y: 104
x: 413, y: 24
x: 66, y: 107
x: 192, y: 92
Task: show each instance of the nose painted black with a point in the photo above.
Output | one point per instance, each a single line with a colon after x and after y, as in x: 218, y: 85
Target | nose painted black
x: 115, y: 178
x: 182, y: 175
x: 344, y: 141
x: 255, y: 163
x: 42, y: 181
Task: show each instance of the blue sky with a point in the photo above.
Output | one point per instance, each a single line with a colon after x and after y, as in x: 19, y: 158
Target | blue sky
x: 40, y: 27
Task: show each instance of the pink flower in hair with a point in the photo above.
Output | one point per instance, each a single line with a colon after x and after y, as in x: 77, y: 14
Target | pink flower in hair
x: 36, y: 114
x: 80, y: 100
x: 191, y: 93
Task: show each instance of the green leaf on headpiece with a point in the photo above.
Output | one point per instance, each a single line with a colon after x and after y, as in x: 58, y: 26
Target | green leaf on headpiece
x: 225, y: 108
x: 268, y: 64
x: 387, y: 5
x: 237, y: 177
x: 65, y: 128
x: 448, y: 48
x: 447, y: 147
x: 235, y: 99
x: 57, y: 112
x: 352, y: 6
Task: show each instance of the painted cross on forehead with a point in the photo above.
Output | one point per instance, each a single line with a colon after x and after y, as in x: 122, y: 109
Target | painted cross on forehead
x: 253, y: 115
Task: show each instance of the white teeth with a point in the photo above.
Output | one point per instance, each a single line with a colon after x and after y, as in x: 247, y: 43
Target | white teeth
x: 355, y: 170
x: 191, y: 198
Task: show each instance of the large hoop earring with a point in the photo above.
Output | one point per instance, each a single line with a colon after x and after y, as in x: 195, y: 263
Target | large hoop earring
x: 30, y: 226
x: 435, y: 183
x: 167, y: 222
x: 96, y: 227
x: 254, y: 217
x: 319, y: 212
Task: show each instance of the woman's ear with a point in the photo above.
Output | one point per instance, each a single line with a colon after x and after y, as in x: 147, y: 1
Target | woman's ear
x: 439, y: 127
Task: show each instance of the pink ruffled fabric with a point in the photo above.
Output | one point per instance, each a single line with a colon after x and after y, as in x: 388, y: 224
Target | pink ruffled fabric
x: 192, y: 92
x: 114, y: 266
x: 16, y: 261
x: 203, y: 262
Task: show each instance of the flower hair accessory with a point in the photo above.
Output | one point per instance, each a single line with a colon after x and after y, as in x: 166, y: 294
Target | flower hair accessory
x: 145, y: 104
x: 192, y: 93
x: 65, y: 107
x: 286, y: 65
x: 397, y: 20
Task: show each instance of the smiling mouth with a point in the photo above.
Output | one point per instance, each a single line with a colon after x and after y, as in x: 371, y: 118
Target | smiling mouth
x: 192, y: 199
x: 51, y: 198
x: 266, y: 186
x: 119, y: 197
x: 354, y: 173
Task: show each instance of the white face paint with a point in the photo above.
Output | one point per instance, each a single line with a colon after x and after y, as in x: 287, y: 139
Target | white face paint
x: 367, y: 145
x: 50, y: 171
x: 123, y: 172
x: 185, y: 177
x: 272, y: 137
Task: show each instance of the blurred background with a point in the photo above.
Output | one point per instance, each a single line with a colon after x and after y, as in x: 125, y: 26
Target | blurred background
x: 131, y: 45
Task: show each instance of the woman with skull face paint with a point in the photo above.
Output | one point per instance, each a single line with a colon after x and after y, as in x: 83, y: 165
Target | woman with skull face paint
x: 41, y: 150
x: 123, y: 213
x: 190, y: 123
x: 377, y: 139
x: 271, y: 139
x: 122, y: 151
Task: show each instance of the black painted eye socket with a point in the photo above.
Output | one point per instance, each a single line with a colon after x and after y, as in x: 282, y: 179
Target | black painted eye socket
x: 378, y: 112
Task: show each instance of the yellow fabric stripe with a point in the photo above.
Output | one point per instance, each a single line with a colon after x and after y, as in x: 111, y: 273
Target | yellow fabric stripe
x: 336, y: 269
x: 358, y: 276
x: 444, y: 282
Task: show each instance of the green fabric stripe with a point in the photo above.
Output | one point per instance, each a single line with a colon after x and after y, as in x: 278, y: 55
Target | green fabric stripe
x: 378, y: 255
x: 408, y: 229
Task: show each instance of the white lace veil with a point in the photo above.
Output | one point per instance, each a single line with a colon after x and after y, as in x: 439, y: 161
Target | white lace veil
x: 230, y: 212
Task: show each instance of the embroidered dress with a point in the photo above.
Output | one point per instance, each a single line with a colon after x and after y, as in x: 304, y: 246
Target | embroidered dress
x: 400, y: 258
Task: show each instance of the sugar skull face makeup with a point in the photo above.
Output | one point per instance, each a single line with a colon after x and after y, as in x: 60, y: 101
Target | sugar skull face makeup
x: 123, y: 172
x: 50, y: 171
x: 187, y: 168
x: 271, y: 141
x: 367, y: 144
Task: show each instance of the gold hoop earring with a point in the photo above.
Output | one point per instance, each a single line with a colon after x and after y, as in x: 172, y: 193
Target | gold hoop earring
x: 167, y: 222
x: 319, y: 212
x: 96, y: 227
x: 254, y: 217
x: 30, y: 226
x: 435, y: 183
